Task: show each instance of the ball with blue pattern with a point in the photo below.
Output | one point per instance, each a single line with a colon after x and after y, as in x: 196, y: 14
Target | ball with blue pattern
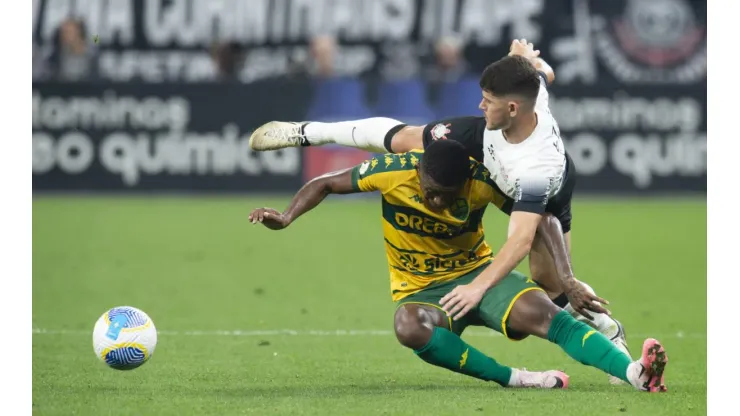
x: 124, y: 338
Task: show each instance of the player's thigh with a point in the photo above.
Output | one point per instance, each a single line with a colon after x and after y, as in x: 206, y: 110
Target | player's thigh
x: 465, y: 130
x: 497, y: 304
x: 407, y: 139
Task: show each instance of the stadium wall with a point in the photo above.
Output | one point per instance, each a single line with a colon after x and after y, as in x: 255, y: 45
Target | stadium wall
x: 630, y: 93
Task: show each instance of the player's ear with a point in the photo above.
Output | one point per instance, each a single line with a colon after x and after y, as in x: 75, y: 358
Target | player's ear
x: 513, y: 108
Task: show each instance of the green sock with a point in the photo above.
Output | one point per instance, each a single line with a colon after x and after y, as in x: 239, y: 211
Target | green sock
x: 588, y: 346
x: 445, y: 349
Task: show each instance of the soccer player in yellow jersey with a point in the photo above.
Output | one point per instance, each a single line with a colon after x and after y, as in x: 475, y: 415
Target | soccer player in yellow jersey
x: 432, y: 204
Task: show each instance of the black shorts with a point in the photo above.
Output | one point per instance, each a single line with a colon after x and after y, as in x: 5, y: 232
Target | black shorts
x: 469, y: 131
x: 559, y: 205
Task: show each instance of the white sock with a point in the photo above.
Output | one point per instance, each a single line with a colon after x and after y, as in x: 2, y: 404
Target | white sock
x: 367, y: 134
x: 514, y: 378
x: 633, y: 374
x: 602, y: 322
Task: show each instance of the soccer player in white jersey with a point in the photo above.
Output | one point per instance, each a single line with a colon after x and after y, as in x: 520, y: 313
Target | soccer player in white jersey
x: 518, y: 140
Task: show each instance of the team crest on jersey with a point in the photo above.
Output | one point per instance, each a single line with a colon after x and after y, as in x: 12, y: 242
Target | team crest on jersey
x: 440, y: 131
x: 460, y: 209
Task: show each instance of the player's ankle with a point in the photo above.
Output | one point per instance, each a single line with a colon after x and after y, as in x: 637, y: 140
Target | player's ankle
x: 514, y: 379
x: 520, y: 377
x: 634, y: 371
x: 316, y: 133
x: 606, y: 325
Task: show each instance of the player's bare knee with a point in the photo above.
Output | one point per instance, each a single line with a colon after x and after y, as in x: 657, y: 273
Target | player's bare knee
x: 407, y: 139
x: 533, y: 313
x: 412, y: 326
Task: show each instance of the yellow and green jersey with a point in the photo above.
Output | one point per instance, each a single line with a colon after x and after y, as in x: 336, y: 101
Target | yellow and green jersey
x: 424, y: 247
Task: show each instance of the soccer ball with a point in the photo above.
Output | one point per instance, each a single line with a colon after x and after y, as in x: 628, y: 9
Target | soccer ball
x: 124, y: 338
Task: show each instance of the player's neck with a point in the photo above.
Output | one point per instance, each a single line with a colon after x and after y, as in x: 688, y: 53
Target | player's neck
x: 521, y: 130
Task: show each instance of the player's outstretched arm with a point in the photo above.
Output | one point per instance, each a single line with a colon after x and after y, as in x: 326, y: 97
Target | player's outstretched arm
x: 527, y: 50
x: 307, y: 198
x: 545, y: 68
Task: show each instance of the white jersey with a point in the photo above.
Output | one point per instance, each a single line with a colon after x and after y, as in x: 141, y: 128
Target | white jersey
x: 533, y: 171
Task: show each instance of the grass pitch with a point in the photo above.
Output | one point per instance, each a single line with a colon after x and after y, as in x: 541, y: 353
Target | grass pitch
x: 299, y: 321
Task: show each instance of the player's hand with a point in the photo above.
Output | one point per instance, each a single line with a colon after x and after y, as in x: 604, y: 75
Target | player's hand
x: 462, y: 299
x: 270, y: 218
x: 581, y: 300
x: 523, y: 48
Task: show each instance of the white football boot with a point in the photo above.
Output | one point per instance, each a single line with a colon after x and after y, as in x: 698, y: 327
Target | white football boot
x: 277, y: 135
x: 646, y: 374
x: 538, y: 379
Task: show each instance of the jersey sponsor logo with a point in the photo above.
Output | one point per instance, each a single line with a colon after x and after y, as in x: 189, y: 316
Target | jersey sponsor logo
x: 440, y: 131
x: 414, y: 222
x: 424, y: 264
x: 411, y: 220
x: 409, y: 261
x: 424, y: 224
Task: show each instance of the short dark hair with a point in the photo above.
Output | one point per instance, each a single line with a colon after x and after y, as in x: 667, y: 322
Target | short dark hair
x: 511, y: 75
x: 446, y: 162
